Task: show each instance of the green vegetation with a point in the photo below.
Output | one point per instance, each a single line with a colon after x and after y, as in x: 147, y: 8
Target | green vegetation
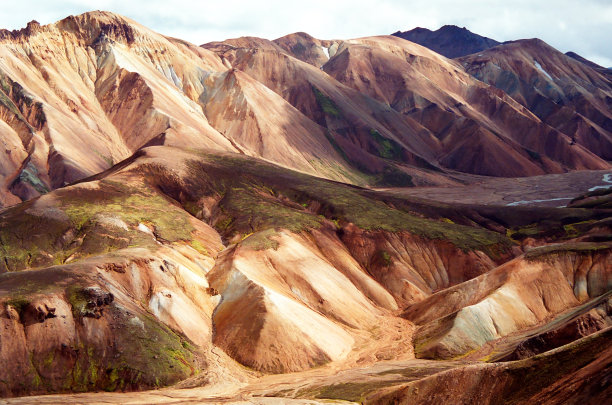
x: 81, y: 225
x: 385, y: 257
x: 197, y: 245
x: 19, y: 303
x: 107, y: 158
x: 135, y: 204
x: 9, y: 88
x: 327, y: 104
x: 394, y: 177
x: 387, y: 148
x: 25, y: 236
x: 78, y: 301
x: 152, y: 354
x: 247, y: 206
x: 261, y: 240
x: 29, y: 175
x: 569, y: 223
x: 534, y: 155
x: 578, y: 228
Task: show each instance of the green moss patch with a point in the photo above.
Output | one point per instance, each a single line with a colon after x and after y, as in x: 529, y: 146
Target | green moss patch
x: 327, y: 104
x: 151, y: 354
x: 257, y: 196
x: 137, y: 204
x: 387, y: 148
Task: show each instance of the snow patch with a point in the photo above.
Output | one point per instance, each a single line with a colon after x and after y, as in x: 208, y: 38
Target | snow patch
x: 539, y: 67
x: 325, y: 51
x: 143, y: 228
x: 137, y: 322
x: 526, y: 202
x: 607, y: 178
x: 112, y: 221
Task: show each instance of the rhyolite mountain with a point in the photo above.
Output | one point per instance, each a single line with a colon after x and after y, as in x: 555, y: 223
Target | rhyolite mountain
x: 210, y: 218
x: 88, y: 91
x: 448, y: 40
x: 568, y: 94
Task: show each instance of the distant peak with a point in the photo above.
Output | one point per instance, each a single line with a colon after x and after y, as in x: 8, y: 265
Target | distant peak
x: 296, y: 35
x: 31, y: 28
x: 449, y: 40
x: 450, y: 27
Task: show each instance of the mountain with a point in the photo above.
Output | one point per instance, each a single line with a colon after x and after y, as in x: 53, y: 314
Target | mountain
x: 241, y: 222
x: 174, y: 264
x: 448, y: 40
x: 88, y: 91
x: 563, y: 92
x: 371, y: 98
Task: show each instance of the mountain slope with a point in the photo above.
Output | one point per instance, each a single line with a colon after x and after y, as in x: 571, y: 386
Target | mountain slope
x: 177, y: 263
x: 106, y: 82
x: 603, y: 70
x: 88, y: 91
x: 431, y: 122
x: 220, y: 235
x: 468, y: 118
x: 565, y: 93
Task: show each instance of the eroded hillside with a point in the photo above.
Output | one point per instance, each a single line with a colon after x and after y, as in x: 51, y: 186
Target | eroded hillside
x: 236, y: 222
x: 173, y: 267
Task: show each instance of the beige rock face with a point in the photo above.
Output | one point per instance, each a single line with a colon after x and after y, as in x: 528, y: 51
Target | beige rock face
x: 263, y: 124
x: 94, y: 88
x: 515, y: 296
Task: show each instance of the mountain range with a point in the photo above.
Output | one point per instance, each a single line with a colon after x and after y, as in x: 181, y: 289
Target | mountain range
x: 260, y: 220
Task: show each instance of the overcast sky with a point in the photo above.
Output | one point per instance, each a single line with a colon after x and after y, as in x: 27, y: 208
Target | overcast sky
x: 583, y: 26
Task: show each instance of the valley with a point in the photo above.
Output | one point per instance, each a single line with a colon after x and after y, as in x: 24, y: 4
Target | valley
x: 301, y: 220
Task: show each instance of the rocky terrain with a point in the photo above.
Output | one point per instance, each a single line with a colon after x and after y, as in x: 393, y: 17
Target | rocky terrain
x: 562, y: 91
x: 238, y: 222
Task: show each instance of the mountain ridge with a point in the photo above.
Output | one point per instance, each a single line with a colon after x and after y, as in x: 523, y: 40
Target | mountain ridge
x: 448, y: 40
x: 242, y: 221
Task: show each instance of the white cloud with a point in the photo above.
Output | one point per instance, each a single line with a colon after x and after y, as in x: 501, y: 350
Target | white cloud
x: 584, y: 27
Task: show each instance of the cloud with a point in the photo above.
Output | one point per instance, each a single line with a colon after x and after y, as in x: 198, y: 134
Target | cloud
x: 584, y: 27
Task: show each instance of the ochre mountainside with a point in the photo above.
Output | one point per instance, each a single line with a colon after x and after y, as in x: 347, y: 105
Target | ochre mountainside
x: 86, y: 92
x: 205, y: 217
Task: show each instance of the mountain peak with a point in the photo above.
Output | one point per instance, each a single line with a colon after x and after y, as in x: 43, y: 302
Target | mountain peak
x: 89, y: 25
x: 449, y: 40
x: 451, y: 27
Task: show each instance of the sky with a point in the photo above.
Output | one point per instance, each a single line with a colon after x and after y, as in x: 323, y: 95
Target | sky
x: 583, y: 26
